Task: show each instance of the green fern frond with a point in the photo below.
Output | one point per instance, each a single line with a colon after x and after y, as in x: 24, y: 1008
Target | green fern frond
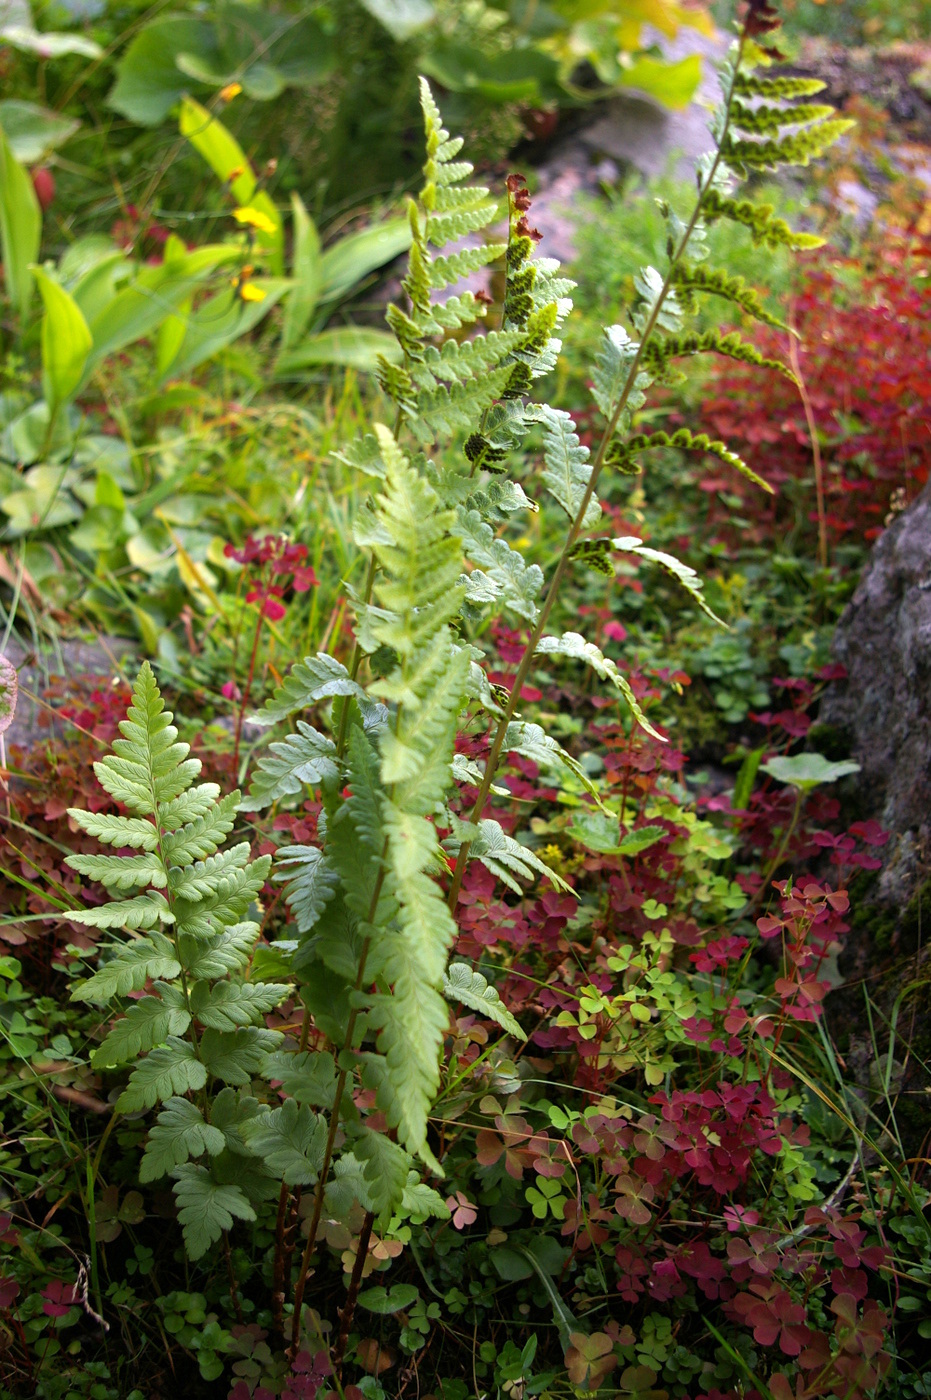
x: 694, y: 442
x: 659, y: 354
x: 518, y: 582
x: 689, y: 279
x: 750, y: 85
x: 120, y: 872
x: 574, y: 646
x: 116, y: 831
x: 463, y: 984
x: 613, y: 363
x: 763, y: 120
x: 502, y: 855
x: 683, y: 574
x: 798, y: 148
x: 566, y: 467
x: 316, y: 678
x: 761, y: 221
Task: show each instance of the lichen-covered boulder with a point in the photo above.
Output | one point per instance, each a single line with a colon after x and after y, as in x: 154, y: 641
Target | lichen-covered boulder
x: 884, y: 706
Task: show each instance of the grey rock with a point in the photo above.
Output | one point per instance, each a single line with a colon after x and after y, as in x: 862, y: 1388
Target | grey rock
x: 884, y: 641
x: 103, y: 657
x: 637, y: 132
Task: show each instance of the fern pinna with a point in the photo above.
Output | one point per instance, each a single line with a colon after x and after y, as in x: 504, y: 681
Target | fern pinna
x: 372, y: 907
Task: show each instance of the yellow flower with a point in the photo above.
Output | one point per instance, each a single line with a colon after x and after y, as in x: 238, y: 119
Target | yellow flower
x: 255, y: 219
x: 250, y: 292
x: 230, y: 91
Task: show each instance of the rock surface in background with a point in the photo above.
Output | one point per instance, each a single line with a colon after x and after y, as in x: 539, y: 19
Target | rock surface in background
x: 74, y: 659
x: 884, y: 706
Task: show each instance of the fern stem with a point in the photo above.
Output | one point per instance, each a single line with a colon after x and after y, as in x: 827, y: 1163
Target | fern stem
x: 355, y: 661
x: 575, y: 529
x: 352, y: 1293
x: 248, y: 690
x: 331, y: 1135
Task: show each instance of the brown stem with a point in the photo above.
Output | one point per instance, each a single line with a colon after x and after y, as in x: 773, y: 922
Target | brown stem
x: 234, y: 1290
x: 248, y: 690
x: 278, y: 1278
x: 352, y: 1293
x: 795, y: 362
x: 331, y: 1140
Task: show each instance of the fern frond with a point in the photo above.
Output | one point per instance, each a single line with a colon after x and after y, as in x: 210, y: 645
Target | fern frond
x: 227, y: 902
x: 690, y: 279
x: 462, y: 983
x: 316, y: 678
x: 169, y: 1069
x: 519, y: 583
x: 309, y: 883
x: 194, y: 803
x: 204, y: 877
x: 613, y: 363
x: 145, y: 1024
x: 798, y: 148
x: 567, y: 470
x: 762, y: 120
x: 219, y: 953
x: 117, y: 831
x: 179, y: 1134
x: 654, y: 301
x: 659, y: 354
x: 574, y: 646
x: 144, y: 911
x: 760, y: 219
x: 226, y: 1005
x: 695, y: 442
x: 120, y: 872
x: 130, y: 968
x: 307, y: 757
x: 683, y: 574
x: 750, y: 85
x: 502, y: 855
x: 202, y: 836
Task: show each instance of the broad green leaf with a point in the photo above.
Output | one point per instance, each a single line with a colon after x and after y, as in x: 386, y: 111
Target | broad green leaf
x: 671, y: 84
x: 66, y: 341
x: 206, y: 1207
x: 306, y: 274
x: 221, y: 320
x: 808, y: 770
x: 345, y: 263
x: 139, y: 308
x: 148, y: 81
x: 401, y: 18
x: 32, y: 131
x: 219, y: 148
x: 20, y: 227
x: 290, y: 1140
x: 358, y: 347
x: 180, y: 1133
x: 170, y: 1069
